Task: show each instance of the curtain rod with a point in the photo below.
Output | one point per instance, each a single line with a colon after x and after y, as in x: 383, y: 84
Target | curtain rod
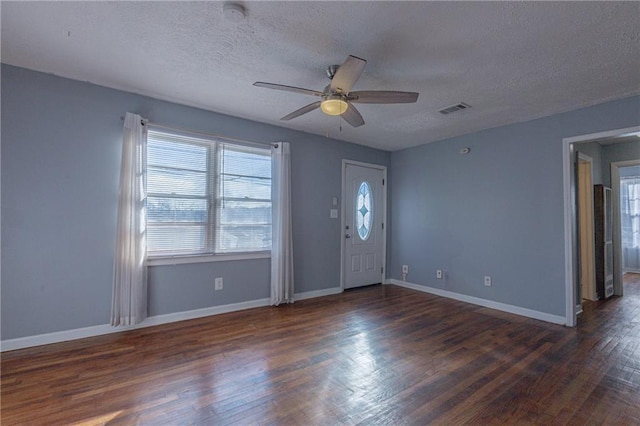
x: 146, y: 121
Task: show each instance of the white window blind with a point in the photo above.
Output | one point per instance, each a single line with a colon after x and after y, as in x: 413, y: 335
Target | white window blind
x: 206, y: 196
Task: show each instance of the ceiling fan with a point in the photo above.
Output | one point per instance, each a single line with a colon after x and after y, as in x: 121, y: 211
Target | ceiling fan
x: 337, y: 97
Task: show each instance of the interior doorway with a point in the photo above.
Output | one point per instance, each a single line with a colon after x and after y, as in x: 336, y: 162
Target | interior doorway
x: 626, y: 195
x: 570, y: 148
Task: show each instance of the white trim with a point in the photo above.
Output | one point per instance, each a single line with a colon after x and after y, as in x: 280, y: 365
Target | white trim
x: 177, y: 260
x: 205, y: 312
x: 81, y: 333
x: 385, y: 227
x: 59, y: 336
x: 569, y: 220
x: 98, y: 330
x: 517, y: 310
x: 618, y: 271
x: 383, y: 169
x: 616, y: 236
x: 317, y: 293
x: 602, y: 135
x: 209, y: 137
x: 569, y: 299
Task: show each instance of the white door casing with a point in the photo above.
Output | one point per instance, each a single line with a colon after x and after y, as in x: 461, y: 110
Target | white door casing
x: 618, y: 288
x: 568, y: 184
x: 364, y: 214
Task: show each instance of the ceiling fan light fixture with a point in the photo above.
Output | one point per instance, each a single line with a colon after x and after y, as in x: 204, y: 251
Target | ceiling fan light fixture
x: 334, y: 105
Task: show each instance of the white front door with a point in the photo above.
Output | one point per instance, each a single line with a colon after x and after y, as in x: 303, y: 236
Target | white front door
x: 363, y: 225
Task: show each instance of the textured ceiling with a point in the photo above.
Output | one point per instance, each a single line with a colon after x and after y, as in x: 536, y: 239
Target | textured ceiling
x: 511, y: 61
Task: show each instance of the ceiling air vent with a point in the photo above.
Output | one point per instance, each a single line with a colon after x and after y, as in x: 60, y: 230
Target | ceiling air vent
x: 454, y: 108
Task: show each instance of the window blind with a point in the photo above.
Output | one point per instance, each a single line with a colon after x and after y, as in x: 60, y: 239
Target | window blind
x: 206, y: 196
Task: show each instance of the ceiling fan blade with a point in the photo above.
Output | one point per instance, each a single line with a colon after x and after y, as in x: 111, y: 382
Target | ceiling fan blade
x: 352, y: 116
x: 383, y: 97
x: 287, y: 88
x: 305, y: 109
x: 348, y: 73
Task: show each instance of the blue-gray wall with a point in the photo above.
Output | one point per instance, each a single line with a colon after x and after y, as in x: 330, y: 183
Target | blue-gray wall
x: 61, y: 142
x: 593, y: 150
x: 618, y: 152
x: 604, y: 155
x: 630, y: 171
x: 496, y: 211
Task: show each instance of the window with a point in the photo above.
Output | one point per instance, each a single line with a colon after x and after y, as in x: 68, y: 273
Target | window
x: 364, y: 210
x: 630, y: 212
x: 206, y: 196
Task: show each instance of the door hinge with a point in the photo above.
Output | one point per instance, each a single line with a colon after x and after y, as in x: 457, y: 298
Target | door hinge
x: 382, y: 225
x: 382, y: 269
x: 382, y: 182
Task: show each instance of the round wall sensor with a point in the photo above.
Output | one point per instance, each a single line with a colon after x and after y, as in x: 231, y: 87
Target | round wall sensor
x: 465, y: 150
x: 233, y: 12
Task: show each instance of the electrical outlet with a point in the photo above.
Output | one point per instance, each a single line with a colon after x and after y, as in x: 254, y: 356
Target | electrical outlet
x: 405, y: 269
x: 487, y: 281
x: 439, y: 274
x: 218, y: 283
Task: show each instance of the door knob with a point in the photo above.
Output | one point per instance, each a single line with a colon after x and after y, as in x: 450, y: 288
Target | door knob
x: 347, y: 235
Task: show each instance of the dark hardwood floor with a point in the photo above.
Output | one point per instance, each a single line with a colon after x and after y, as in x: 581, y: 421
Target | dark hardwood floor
x: 377, y: 355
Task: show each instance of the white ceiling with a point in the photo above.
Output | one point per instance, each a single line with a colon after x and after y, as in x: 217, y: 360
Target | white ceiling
x: 511, y: 61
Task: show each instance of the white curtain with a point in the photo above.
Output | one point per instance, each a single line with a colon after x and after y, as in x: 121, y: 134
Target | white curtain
x: 281, y: 239
x: 129, y: 303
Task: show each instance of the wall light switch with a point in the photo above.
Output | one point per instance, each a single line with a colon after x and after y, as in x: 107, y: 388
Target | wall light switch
x: 333, y: 213
x: 335, y: 201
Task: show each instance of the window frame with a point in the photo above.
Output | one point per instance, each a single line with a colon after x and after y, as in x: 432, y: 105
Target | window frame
x: 214, y: 148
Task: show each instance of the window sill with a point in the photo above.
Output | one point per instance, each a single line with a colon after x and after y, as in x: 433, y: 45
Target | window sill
x: 178, y: 260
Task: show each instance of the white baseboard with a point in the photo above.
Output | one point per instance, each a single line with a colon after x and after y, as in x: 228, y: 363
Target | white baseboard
x: 59, y: 336
x: 80, y: 333
x: 525, y: 312
x: 205, y: 312
x: 317, y: 293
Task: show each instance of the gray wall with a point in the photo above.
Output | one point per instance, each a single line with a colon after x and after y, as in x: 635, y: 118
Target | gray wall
x: 618, y: 152
x: 630, y: 171
x: 61, y: 142
x: 593, y: 150
x: 497, y: 211
x: 604, y: 155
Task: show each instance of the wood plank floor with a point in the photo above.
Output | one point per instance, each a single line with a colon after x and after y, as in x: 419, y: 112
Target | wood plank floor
x: 377, y: 355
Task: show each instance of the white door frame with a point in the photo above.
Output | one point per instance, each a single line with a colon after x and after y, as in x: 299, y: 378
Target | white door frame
x: 568, y: 185
x: 343, y: 220
x: 617, y: 230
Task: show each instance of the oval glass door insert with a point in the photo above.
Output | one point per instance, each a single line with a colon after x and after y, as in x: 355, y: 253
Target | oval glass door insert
x: 364, y: 210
